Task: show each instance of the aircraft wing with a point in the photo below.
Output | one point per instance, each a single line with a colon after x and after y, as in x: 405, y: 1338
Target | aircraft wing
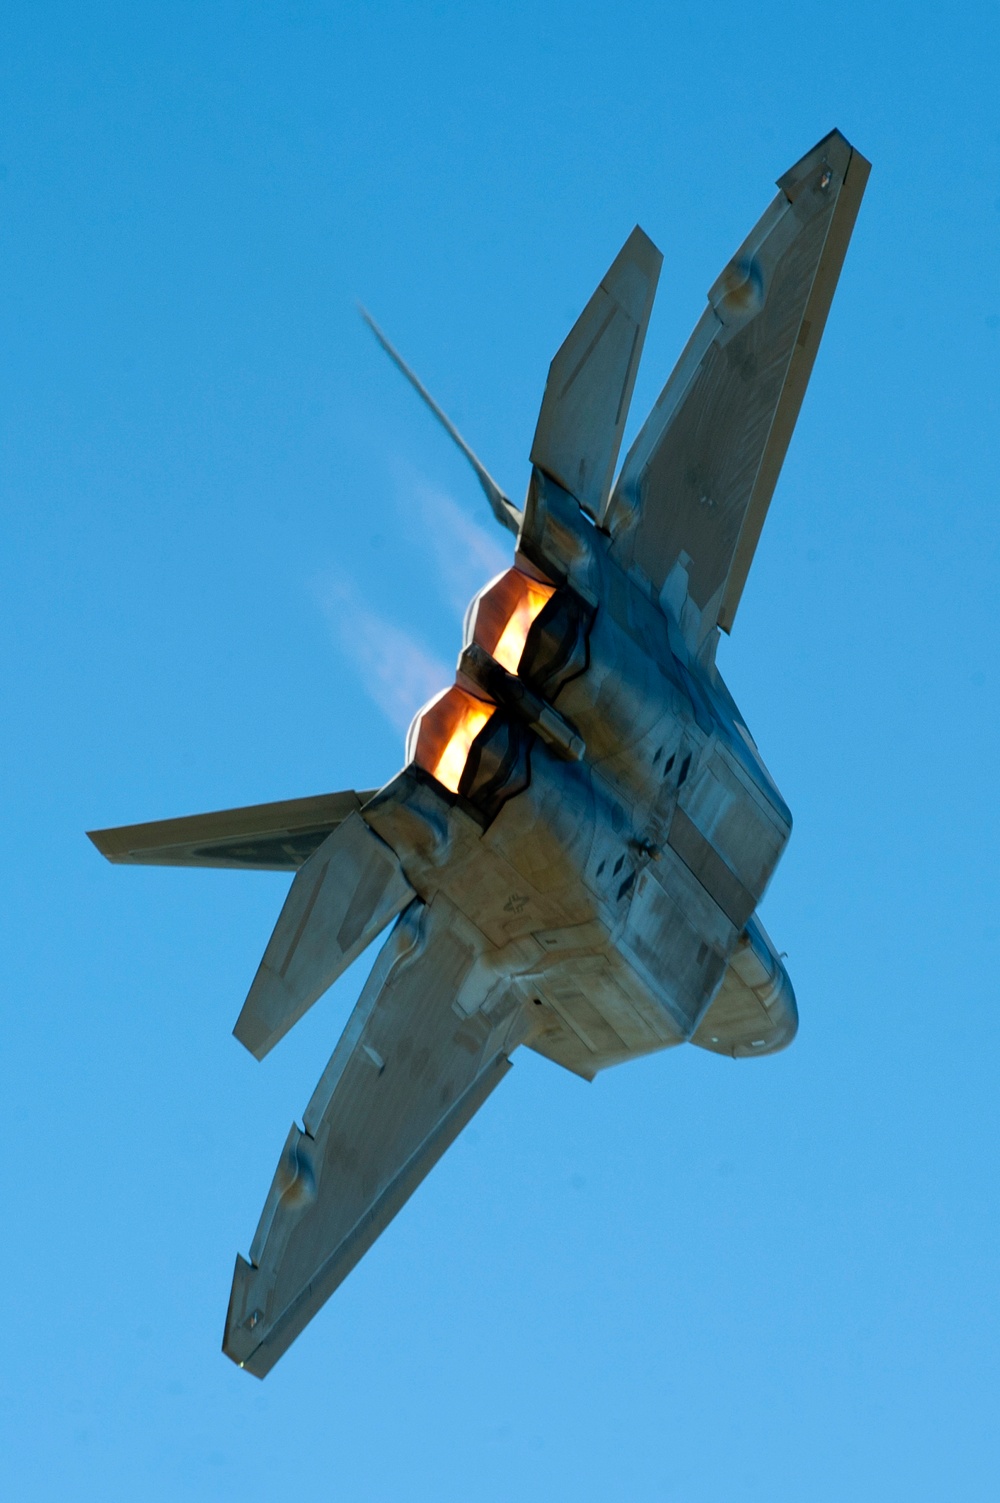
x: 426, y: 1044
x: 695, y: 486
x: 268, y: 837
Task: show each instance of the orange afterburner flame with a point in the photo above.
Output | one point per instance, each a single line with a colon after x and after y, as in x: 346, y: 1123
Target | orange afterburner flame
x: 511, y: 644
x: 451, y: 763
x: 499, y: 621
x: 443, y: 732
x: 502, y: 614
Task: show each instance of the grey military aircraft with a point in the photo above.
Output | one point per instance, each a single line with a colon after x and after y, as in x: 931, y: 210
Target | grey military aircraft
x: 573, y: 854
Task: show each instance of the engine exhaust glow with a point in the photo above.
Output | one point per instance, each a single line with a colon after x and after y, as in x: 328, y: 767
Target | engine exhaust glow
x: 514, y: 635
x: 443, y: 732
x: 451, y: 763
x: 501, y: 615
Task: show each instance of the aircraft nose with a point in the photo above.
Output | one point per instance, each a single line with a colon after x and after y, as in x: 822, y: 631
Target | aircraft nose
x: 754, y: 1011
x: 764, y: 970
x: 783, y: 1018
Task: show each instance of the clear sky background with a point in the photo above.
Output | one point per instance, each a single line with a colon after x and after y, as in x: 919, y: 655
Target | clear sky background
x: 234, y: 555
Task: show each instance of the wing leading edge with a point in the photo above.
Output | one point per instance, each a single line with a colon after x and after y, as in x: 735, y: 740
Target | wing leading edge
x: 428, y: 1041
x: 691, y: 499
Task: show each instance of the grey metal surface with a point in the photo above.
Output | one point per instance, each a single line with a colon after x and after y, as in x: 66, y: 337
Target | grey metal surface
x: 754, y: 1010
x: 584, y: 828
x: 408, y: 1073
x: 262, y: 837
x: 590, y: 381
x: 696, y: 484
x: 351, y: 887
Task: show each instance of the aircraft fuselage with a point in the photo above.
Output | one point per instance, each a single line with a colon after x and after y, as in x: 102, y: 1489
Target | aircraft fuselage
x: 615, y: 889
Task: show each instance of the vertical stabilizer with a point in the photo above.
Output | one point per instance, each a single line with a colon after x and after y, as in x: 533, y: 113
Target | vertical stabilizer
x: 590, y: 381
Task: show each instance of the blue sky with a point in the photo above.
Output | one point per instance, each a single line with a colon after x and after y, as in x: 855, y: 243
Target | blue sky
x: 234, y: 557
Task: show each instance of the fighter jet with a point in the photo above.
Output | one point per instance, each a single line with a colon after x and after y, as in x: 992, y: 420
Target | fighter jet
x: 572, y: 857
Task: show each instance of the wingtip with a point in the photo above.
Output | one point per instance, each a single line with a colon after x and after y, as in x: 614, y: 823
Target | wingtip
x: 504, y: 510
x: 639, y: 237
x: 101, y: 841
x: 834, y: 149
x: 374, y: 328
x: 237, y: 1342
x: 249, y: 1032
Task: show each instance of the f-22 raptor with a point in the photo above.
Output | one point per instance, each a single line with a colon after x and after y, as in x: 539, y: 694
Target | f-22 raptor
x: 572, y: 856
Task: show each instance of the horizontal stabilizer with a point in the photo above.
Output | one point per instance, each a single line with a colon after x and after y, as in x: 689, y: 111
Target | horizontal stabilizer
x: 345, y: 894
x: 426, y: 1044
x: 265, y: 837
x: 590, y: 381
